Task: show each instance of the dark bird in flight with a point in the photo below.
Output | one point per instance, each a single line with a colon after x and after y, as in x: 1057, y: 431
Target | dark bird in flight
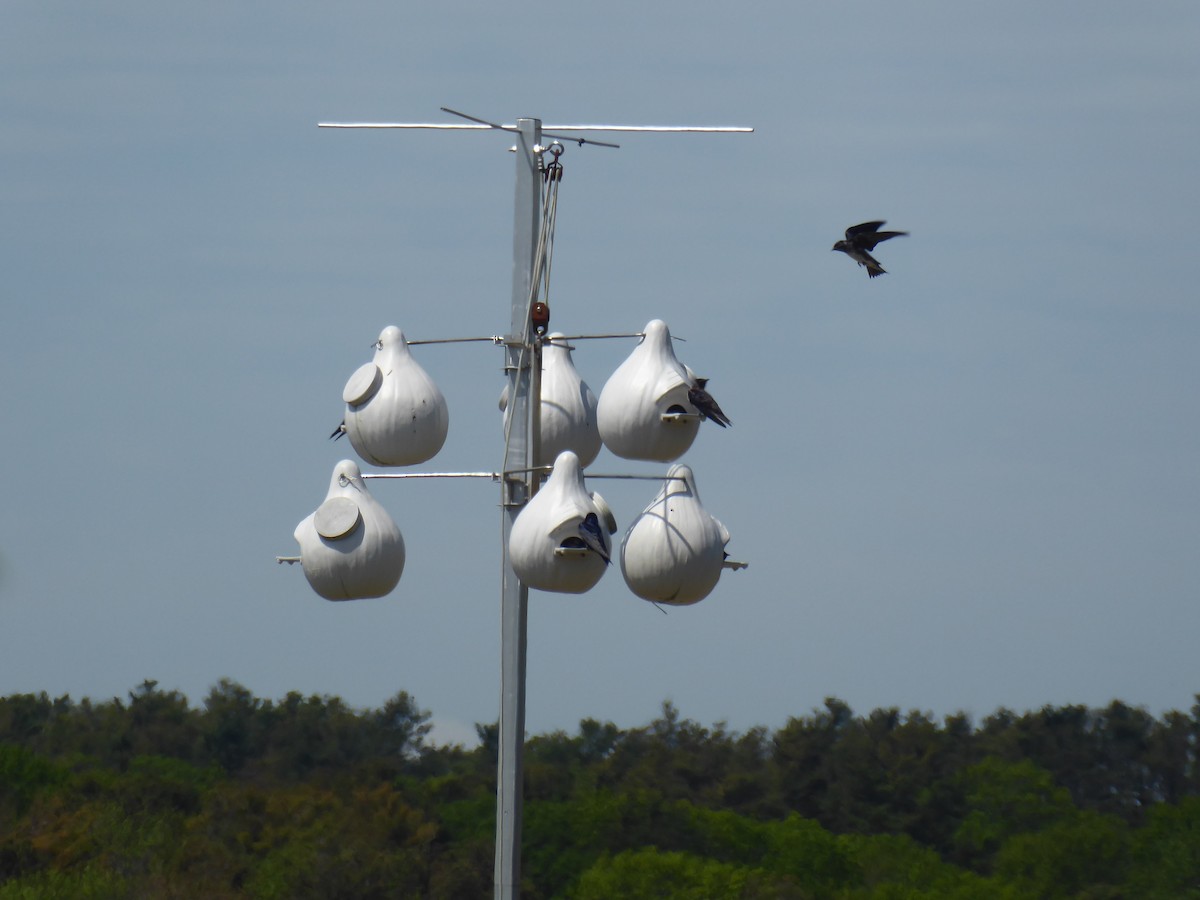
x: 592, y: 535
x: 705, y: 404
x: 861, y: 240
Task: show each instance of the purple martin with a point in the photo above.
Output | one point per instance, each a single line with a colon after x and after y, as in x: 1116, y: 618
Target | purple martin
x: 339, y: 431
x: 592, y: 535
x: 705, y: 404
x: 861, y: 240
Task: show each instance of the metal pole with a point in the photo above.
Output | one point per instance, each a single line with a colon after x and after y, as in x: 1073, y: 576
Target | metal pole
x: 516, y: 490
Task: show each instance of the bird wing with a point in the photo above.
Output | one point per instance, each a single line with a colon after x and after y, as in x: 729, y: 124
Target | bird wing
x: 709, y: 408
x: 869, y: 241
x: 864, y: 228
x: 589, y: 530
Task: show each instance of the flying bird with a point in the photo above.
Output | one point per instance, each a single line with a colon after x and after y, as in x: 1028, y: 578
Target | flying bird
x: 592, y: 535
x: 861, y: 240
x: 704, y: 402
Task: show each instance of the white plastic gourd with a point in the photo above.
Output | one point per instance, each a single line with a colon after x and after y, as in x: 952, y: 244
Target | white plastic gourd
x: 674, y: 551
x: 349, y: 547
x: 547, y: 547
x: 395, y: 414
x: 644, y: 412
x: 568, y: 410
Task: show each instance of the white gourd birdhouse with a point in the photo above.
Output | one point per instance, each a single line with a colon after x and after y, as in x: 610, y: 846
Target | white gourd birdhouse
x: 674, y: 551
x: 568, y: 411
x: 560, y: 542
x: 350, y: 548
x: 395, y: 414
x: 644, y: 412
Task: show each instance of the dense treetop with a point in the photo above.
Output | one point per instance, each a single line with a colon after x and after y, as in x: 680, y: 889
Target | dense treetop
x: 306, y: 797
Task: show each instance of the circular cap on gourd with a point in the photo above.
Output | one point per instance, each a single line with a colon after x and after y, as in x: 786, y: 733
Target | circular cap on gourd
x: 362, y: 384
x: 337, y: 517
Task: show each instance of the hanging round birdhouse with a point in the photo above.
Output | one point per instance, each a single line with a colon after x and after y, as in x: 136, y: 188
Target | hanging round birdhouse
x: 560, y: 541
x: 568, y: 411
x: 674, y: 551
x: 644, y: 412
x: 395, y: 414
x: 567, y: 415
x: 349, y: 547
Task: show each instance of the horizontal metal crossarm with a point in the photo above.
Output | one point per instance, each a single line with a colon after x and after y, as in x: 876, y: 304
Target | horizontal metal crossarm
x: 597, y: 337
x: 492, y: 339
x: 466, y: 126
x: 500, y: 339
x: 661, y: 129
x: 550, y: 131
x: 446, y: 126
x: 494, y: 476
x: 457, y: 127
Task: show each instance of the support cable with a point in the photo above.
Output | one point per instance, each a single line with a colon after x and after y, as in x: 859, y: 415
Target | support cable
x: 537, y: 309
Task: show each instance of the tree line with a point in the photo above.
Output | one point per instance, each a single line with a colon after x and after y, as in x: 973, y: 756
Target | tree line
x: 241, y: 796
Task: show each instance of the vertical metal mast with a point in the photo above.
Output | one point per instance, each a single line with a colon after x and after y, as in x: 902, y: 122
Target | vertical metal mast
x: 517, y: 488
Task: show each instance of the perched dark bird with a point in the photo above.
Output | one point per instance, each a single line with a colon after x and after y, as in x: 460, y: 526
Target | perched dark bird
x: 705, y: 404
x: 339, y: 431
x: 861, y: 240
x: 592, y: 535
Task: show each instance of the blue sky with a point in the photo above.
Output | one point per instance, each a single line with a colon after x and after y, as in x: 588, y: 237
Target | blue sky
x: 969, y: 484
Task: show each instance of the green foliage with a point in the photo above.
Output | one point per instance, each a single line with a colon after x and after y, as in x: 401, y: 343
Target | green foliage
x: 1006, y: 799
x: 305, y: 796
x: 809, y: 854
x: 164, y: 783
x: 370, y: 844
x: 1165, y: 854
x: 1083, y: 852
x: 23, y: 774
x: 651, y: 874
x: 92, y: 883
x: 885, y: 773
x: 896, y: 867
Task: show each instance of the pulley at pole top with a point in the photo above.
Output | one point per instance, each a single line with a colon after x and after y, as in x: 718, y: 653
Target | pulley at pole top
x: 553, y: 170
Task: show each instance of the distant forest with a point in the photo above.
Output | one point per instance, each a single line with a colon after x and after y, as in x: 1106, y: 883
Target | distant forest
x: 148, y: 797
